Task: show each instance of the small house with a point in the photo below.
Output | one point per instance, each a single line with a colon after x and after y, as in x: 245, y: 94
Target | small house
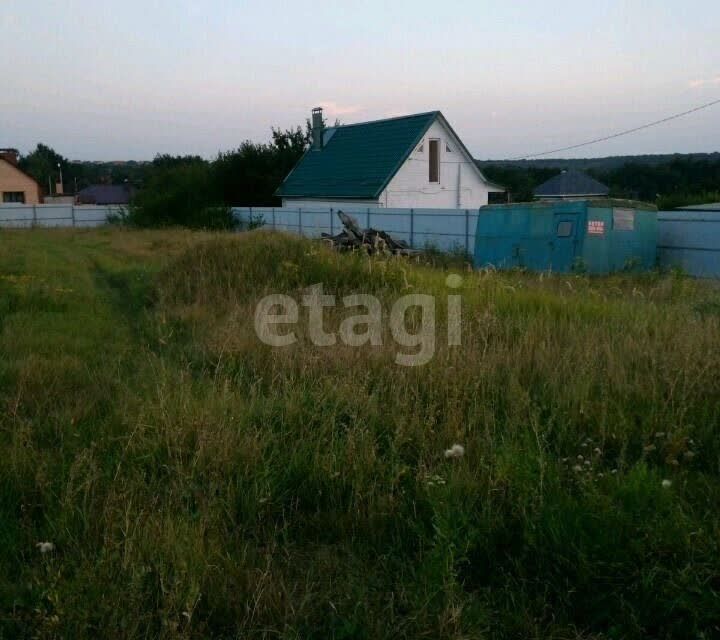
x: 16, y: 186
x: 596, y: 236
x: 406, y: 162
x: 104, y: 194
x: 571, y: 184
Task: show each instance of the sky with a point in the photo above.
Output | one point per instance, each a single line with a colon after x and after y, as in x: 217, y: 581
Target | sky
x: 110, y: 80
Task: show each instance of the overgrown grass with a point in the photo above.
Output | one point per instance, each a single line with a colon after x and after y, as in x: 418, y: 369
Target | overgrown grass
x: 196, y: 483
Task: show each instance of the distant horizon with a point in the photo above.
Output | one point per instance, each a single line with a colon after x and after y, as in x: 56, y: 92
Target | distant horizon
x: 489, y: 160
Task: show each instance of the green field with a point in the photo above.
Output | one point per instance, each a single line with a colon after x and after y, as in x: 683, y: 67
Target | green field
x: 196, y: 483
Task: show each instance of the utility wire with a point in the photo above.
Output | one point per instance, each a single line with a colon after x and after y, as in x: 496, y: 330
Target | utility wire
x: 620, y: 133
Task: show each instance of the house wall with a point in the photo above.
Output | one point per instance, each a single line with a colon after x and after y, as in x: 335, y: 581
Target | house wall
x: 460, y: 186
x: 12, y: 179
x: 324, y: 204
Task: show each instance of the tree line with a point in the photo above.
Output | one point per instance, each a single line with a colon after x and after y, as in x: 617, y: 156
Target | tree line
x: 195, y: 192
x: 185, y: 190
x: 679, y: 181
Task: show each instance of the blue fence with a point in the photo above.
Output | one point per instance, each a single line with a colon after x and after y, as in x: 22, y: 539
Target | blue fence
x: 445, y: 229
x: 690, y: 240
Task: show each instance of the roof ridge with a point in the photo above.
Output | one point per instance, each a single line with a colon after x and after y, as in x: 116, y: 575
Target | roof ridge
x: 410, y: 115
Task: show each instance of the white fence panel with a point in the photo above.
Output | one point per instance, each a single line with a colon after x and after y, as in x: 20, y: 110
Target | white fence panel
x: 17, y: 216
x: 54, y: 215
x: 20, y: 216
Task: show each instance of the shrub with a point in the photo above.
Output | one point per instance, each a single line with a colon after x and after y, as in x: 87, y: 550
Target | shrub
x: 180, y: 192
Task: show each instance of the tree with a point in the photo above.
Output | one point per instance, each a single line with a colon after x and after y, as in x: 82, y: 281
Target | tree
x: 180, y: 191
x: 42, y: 164
x: 250, y: 175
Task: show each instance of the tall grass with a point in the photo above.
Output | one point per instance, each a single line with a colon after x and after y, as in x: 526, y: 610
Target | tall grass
x: 198, y: 483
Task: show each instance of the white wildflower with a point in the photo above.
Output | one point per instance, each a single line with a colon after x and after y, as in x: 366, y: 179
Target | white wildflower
x: 666, y: 484
x: 577, y: 468
x: 456, y: 451
x: 45, y: 547
x: 581, y: 458
x: 587, y: 463
x: 597, y: 450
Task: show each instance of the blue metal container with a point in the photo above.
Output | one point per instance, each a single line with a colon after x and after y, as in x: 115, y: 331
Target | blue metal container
x: 596, y: 236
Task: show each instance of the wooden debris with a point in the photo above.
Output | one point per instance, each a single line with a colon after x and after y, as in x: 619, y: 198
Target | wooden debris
x: 372, y: 241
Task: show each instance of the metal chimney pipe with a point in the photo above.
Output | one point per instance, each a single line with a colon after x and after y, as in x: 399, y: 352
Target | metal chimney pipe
x: 317, y: 128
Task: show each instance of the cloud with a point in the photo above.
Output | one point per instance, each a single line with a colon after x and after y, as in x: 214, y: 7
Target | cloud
x: 333, y: 109
x: 707, y: 82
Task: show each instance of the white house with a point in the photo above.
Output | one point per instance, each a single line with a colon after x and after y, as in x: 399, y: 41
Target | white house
x: 412, y: 161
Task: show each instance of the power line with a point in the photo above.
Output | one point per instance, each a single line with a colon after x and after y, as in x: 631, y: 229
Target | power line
x: 620, y: 133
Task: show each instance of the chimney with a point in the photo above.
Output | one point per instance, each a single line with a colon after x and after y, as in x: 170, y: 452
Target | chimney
x: 11, y: 155
x: 317, y: 128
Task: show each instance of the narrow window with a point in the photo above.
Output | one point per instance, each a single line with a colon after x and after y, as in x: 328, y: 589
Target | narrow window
x: 14, y: 196
x: 434, y: 158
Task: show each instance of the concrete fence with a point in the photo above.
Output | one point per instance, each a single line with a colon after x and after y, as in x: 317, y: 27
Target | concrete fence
x: 445, y: 229
x: 690, y: 240
x: 20, y: 216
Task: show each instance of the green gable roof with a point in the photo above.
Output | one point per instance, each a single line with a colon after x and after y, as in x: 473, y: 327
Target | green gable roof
x: 358, y: 160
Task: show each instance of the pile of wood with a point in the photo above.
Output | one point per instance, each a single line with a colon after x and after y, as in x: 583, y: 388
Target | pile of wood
x: 372, y: 241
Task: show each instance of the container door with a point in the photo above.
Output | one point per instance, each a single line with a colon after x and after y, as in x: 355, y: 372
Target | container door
x: 564, y: 242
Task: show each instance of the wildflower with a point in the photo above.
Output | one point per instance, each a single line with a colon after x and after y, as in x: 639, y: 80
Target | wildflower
x: 583, y: 445
x: 689, y: 455
x: 666, y: 484
x: 587, y: 463
x: 597, y: 450
x: 649, y: 448
x: 456, y: 451
x: 45, y: 547
x: 581, y: 458
x: 577, y: 468
x: 614, y: 471
x: 673, y: 462
x: 600, y: 475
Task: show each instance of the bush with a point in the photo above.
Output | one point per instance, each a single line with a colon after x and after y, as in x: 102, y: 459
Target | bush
x: 180, y: 192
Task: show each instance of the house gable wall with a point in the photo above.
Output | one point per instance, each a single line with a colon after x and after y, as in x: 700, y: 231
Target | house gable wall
x: 410, y: 186
x: 14, y: 180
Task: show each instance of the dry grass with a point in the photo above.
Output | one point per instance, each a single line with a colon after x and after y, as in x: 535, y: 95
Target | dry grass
x: 197, y: 483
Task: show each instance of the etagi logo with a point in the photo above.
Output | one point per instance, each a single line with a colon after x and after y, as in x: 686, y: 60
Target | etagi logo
x: 366, y: 325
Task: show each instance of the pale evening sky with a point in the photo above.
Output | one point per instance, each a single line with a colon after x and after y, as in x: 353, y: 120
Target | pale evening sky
x: 106, y: 80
